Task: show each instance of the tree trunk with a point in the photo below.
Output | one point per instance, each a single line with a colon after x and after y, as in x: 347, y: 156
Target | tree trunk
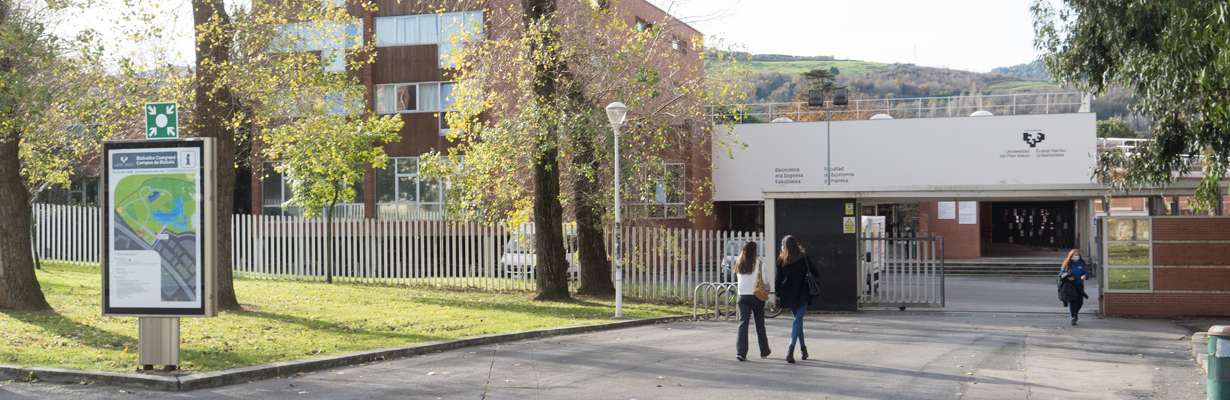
x: 214, y: 103
x: 552, y: 265
x: 552, y: 270
x: 19, y: 288
x: 591, y: 243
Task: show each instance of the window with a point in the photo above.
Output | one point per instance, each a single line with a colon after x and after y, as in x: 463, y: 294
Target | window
x: 275, y: 192
x: 402, y: 195
x: 330, y: 39
x: 411, y: 97
x: 428, y: 29
x: 642, y: 26
x: 666, y: 198
x: 680, y: 46
x: 1129, y: 258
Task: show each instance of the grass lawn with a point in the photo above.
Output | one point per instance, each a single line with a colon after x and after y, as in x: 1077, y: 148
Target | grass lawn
x: 1127, y: 278
x: 284, y: 321
x: 798, y: 67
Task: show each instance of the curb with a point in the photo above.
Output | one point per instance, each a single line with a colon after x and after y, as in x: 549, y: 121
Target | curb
x: 215, y: 379
x: 1200, y: 351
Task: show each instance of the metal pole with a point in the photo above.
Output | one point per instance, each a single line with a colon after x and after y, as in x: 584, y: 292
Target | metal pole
x: 619, y: 263
x: 828, y: 116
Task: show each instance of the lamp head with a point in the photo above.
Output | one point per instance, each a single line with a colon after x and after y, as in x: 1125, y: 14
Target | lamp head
x: 616, y: 112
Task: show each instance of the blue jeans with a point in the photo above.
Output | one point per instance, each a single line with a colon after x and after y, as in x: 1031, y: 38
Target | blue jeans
x: 796, y: 329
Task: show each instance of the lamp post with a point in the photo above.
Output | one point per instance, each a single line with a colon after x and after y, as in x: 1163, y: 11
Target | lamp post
x: 815, y: 98
x: 615, y: 112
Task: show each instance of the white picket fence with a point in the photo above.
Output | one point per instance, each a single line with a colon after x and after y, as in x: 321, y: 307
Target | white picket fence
x: 70, y: 234
x: 659, y: 262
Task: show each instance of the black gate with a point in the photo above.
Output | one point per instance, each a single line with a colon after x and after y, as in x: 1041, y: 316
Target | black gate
x: 1034, y: 223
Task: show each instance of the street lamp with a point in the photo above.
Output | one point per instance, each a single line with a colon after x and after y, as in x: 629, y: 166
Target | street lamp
x: 616, y: 112
x: 815, y: 98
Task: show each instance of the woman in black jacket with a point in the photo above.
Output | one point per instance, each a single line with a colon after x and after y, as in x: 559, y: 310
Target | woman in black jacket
x: 792, y: 291
x: 1071, y: 294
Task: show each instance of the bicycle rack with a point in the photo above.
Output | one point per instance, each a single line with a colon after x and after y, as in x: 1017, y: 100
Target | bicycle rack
x: 715, y: 293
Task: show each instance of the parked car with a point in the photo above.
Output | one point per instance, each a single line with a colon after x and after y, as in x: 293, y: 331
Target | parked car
x: 519, y: 259
x: 731, y: 254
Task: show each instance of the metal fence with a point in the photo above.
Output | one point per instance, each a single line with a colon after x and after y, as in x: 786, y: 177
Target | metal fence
x: 919, y: 107
x: 659, y: 262
x: 901, y: 272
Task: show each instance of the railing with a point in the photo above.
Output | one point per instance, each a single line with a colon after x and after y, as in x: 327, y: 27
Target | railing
x: 901, y: 272
x: 919, y: 107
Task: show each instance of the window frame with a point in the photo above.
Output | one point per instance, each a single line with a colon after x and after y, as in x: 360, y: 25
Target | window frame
x: 392, y: 168
x: 1107, y: 242
x: 286, y: 193
x: 418, y: 97
x: 660, y: 198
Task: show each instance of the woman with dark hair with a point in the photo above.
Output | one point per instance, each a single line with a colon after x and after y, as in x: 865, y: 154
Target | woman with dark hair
x: 1073, y: 274
x: 749, y: 270
x: 793, y: 268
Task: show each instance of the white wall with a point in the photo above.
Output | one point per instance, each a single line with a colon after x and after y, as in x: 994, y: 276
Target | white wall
x: 908, y: 152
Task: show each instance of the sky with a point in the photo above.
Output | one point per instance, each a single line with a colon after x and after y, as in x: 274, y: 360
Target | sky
x: 971, y: 35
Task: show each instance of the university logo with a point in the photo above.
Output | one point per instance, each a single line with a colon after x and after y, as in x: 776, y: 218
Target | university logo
x: 1033, y: 141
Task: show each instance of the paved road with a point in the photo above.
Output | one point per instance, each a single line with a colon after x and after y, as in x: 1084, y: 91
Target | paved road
x: 870, y: 355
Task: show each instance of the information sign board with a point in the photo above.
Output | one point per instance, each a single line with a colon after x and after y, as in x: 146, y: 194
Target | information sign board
x: 157, y: 228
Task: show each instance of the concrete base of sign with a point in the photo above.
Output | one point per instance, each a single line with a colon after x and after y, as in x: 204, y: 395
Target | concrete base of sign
x: 158, y: 342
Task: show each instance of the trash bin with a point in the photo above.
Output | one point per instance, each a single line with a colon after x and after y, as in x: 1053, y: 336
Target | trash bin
x: 1219, y: 363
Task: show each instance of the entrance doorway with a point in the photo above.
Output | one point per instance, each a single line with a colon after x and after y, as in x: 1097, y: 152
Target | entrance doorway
x: 1049, y: 224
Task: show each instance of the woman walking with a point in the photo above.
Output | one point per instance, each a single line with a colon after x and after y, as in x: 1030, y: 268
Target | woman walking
x: 793, y: 270
x: 1072, y: 275
x: 751, y: 275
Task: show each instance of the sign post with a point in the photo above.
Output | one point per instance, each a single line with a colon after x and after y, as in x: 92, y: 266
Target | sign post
x: 162, y: 120
x: 158, y: 237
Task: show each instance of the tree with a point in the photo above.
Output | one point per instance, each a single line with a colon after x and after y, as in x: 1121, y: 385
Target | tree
x: 1172, y: 55
x: 833, y: 70
x: 46, y: 125
x: 248, y: 63
x: 324, y: 155
x: 820, y: 78
x: 1116, y: 128
x: 530, y: 113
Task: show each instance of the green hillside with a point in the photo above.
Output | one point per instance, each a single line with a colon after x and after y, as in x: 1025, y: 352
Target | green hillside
x: 798, y: 67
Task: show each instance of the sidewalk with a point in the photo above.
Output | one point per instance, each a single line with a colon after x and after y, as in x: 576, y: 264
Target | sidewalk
x: 880, y: 355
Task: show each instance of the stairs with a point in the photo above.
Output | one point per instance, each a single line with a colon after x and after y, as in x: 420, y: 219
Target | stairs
x: 1002, y: 266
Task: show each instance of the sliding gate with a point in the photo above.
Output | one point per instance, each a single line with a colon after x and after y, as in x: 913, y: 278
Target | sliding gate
x: 901, y: 272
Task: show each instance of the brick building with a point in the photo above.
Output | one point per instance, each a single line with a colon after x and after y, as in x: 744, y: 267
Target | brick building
x: 409, y: 77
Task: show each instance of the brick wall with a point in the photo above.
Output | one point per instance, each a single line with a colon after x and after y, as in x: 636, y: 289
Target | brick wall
x: 960, y: 241
x: 1191, y: 270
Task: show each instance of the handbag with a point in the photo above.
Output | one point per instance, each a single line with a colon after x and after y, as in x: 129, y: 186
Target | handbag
x: 759, y: 290
x: 813, y: 288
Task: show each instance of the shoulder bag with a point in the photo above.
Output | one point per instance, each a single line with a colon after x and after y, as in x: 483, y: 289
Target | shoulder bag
x: 759, y: 290
x: 813, y: 288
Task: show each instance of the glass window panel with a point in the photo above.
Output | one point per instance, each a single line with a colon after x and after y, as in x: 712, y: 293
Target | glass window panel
x: 358, y: 192
x: 446, y: 96
x: 407, y: 97
x: 474, y: 22
x: 386, y: 31
x: 334, y: 60
x: 1128, y: 278
x: 675, y: 176
x: 430, y: 211
x: 386, y: 99
x: 407, y: 28
x: 407, y: 188
x: 429, y: 94
x: 429, y: 29
x: 408, y: 165
x: 271, y: 186
x: 431, y: 191
x: 1128, y: 254
x: 386, y: 184
x: 1127, y: 229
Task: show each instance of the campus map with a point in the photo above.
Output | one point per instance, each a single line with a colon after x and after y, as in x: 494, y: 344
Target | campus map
x: 155, y: 213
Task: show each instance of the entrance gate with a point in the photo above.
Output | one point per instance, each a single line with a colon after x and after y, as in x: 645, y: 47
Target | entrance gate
x: 901, y: 272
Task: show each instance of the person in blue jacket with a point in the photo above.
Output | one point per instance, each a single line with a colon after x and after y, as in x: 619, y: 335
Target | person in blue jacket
x: 1074, y: 266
